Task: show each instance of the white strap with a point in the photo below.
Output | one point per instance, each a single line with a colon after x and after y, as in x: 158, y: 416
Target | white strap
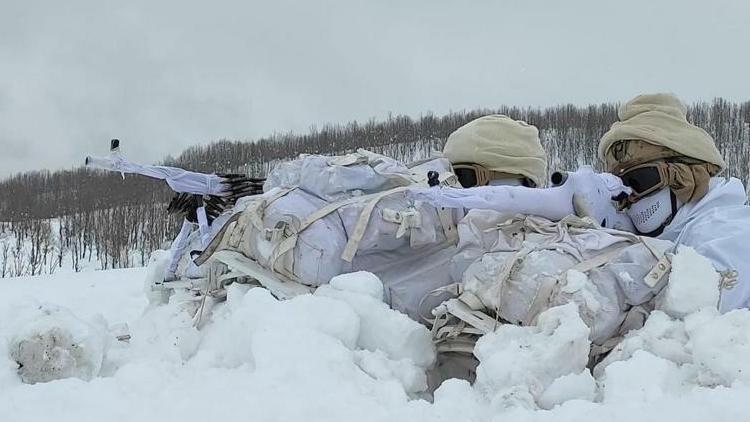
x: 476, y: 319
x: 449, y: 227
x: 284, y: 289
x: 253, y: 214
x: 472, y: 301
x: 540, y: 301
x: 290, y: 242
x: 203, y: 227
x: 597, y: 261
x: 454, y: 289
x: 663, y: 262
x: 361, y: 226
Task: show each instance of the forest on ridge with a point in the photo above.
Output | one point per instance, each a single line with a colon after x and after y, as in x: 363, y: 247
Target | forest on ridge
x: 49, y: 219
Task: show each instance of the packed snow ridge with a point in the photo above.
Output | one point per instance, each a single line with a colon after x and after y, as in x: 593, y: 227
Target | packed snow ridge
x: 341, y: 354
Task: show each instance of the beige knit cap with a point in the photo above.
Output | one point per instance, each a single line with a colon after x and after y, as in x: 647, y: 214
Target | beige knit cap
x: 660, y: 119
x: 499, y: 144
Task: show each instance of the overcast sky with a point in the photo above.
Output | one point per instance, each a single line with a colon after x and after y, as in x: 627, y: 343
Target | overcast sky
x: 164, y: 75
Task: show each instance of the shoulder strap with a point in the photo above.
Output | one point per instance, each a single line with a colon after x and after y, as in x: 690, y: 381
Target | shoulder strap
x: 352, y: 245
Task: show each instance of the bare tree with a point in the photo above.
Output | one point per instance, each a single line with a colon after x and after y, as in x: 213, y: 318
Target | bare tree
x: 116, y: 221
x: 4, y: 263
x: 19, y: 259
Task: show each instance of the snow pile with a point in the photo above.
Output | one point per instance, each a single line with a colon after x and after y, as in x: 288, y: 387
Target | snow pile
x: 721, y: 347
x: 693, y: 284
x: 157, y: 267
x: 381, y: 328
x: 345, y: 326
x: 684, y: 345
x: 40, y: 341
x: 580, y: 386
x: 51, y: 343
x: 668, y: 358
x: 341, y: 354
x: 526, y: 361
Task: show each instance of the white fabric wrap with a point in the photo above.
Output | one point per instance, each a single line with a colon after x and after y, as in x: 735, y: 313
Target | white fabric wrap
x: 584, y: 193
x: 334, y: 178
x: 501, y: 144
x: 518, y: 266
x: 718, y: 227
x: 411, y: 258
x: 179, y: 180
x: 661, y: 119
x: 179, y: 247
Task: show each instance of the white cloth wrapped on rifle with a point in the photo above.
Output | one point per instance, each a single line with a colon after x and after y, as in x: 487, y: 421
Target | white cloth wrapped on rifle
x: 583, y: 192
x: 223, y: 190
x: 179, y: 180
x: 188, y: 240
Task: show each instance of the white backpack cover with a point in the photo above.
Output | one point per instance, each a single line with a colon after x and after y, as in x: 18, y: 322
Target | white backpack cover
x: 324, y: 216
x: 515, y: 267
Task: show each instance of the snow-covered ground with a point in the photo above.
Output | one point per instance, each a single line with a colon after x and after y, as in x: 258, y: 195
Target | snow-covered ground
x: 342, y: 355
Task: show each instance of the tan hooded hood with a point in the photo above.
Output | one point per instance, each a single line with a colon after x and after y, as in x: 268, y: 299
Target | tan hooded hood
x: 499, y: 144
x: 660, y: 119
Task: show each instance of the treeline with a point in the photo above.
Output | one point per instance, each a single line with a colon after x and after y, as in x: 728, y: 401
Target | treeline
x: 115, y: 237
x: 118, y: 222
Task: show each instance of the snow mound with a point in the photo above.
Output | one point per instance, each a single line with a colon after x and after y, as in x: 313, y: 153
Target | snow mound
x: 51, y: 343
x: 341, y: 354
x: 359, y: 282
x: 706, y: 349
x: 242, y: 332
x: 347, y: 331
x: 721, y: 348
x: 381, y: 328
x: 158, y: 263
x: 518, y: 364
x: 693, y: 284
x: 377, y: 364
x: 581, y: 386
x: 661, y: 336
x: 644, y: 377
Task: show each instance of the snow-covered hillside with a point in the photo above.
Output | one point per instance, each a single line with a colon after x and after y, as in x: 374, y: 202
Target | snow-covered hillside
x: 341, y: 355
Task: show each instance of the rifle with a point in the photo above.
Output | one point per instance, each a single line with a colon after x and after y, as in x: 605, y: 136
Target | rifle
x: 583, y: 192
x: 224, y: 189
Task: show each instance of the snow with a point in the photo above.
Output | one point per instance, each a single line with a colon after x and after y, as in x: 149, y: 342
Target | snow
x: 693, y: 284
x: 52, y: 343
x: 359, y: 282
x: 531, y: 358
x: 574, y: 281
x: 341, y: 354
x: 721, y: 348
x: 380, y: 327
x: 642, y: 378
x: 581, y: 386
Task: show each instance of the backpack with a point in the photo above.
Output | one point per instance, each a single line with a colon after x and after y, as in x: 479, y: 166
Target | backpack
x: 515, y: 267
x: 324, y: 216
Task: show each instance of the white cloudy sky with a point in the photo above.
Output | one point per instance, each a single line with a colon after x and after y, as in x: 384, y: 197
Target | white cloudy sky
x: 163, y: 75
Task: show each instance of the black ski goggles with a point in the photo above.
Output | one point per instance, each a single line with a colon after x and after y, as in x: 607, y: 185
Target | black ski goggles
x: 645, y: 179
x: 471, y: 175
